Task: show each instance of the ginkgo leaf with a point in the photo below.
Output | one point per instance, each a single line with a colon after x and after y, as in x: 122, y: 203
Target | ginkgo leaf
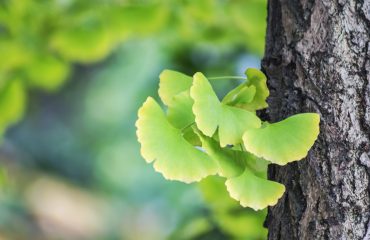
x: 285, y: 141
x: 258, y: 79
x: 231, y: 163
x: 254, y: 192
x: 250, y: 95
x: 246, y: 95
x: 179, y: 111
x: 162, y: 143
x: 257, y: 165
x: 240, y: 95
x: 172, y: 83
x: 180, y: 115
x: 211, y: 114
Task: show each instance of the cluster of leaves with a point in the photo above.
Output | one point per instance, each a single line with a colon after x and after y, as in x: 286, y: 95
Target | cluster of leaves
x: 201, y: 135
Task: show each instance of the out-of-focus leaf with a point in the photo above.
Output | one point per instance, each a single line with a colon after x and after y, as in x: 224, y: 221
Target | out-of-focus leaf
x: 250, y: 17
x: 47, y: 72
x: 196, y: 227
x: 86, y: 40
x: 3, y: 177
x: 13, y: 55
x: 12, y: 103
x: 243, y: 224
x: 141, y: 19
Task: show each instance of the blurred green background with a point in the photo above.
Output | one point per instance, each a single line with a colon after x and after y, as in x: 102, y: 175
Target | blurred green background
x: 72, y: 75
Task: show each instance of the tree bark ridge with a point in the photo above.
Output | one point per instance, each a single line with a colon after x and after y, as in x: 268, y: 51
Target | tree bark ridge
x: 317, y: 60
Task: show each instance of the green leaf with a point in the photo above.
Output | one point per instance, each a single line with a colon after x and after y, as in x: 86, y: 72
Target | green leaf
x: 180, y: 115
x: 47, y: 72
x: 253, y: 191
x: 173, y: 156
x: 285, y: 141
x: 172, y: 83
x: 137, y: 19
x: 246, y: 95
x: 257, y: 79
x: 257, y: 165
x: 230, y: 163
x: 250, y: 95
x: 211, y: 114
x: 84, y: 39
x: 240, y: 95
x: 216, y: 196
x: 13, y: 54
x: 12, y: 104
x: 179, y: 111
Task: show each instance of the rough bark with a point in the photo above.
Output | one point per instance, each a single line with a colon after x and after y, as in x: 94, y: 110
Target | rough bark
x: 317, y: 60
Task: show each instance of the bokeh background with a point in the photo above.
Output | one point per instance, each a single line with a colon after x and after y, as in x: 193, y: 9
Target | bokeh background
x: 72, y: 75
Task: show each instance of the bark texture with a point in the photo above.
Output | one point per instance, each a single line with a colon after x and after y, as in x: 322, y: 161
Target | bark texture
x: 317, y: 60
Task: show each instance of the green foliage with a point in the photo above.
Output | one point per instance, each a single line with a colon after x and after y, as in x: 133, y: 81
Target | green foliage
x: 41, y: 40
x: 220, y: 130
x: 12, y: 101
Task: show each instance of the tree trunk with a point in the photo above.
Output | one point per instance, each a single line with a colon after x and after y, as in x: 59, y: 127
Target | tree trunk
x: 317, y: 60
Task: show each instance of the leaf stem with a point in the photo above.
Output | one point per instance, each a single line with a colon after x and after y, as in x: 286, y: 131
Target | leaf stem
x: 242, y: 147
x: 187, y: 126
x: 227, y: 77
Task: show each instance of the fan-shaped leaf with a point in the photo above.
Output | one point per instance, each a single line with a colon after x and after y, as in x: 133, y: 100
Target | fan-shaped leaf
x: 253, y: 191
x: 285, y: 141
x: 210, y: 114
x: 172, y: 83
x: 174, y: 157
